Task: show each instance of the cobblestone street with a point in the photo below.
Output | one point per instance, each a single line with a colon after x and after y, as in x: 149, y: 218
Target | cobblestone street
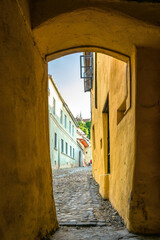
x: 81, y: 212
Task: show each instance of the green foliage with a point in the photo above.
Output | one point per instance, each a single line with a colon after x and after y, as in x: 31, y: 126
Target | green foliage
x: 88, y: 125
x: 85, y: 127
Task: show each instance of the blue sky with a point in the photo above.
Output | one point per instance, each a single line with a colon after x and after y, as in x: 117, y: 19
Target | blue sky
x: 66, y: 74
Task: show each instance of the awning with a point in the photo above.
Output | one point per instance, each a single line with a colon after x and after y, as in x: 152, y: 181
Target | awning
x: 81, y: 140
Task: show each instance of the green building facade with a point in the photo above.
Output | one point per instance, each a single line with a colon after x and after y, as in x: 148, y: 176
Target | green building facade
x: 65, y: 151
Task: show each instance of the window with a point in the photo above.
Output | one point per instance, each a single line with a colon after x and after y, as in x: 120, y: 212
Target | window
x: 70, y: 151
x: 106, y: 112
x: 61, y: 116
x: 73, y: 130
x: 73, y: 152
x: 126, y: 103
x: 54, y: 106
x: 93, y: 137
x: 62, y: 145
x: 86, y: 69
x: 65, y: 123
x: 101, y: 143
x: 69, y: 126
x: 55, y: 140
x: 66, y: 148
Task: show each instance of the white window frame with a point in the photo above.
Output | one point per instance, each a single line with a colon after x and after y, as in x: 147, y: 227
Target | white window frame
x: 62, y: 145
x: 61, y: 116
x: 54, y: 106
x: 66, y: 148
x: 65, y: 121
x: 73, y: 130
x: 55, y: 140
x: 70, y: 127
x: 70, y: 151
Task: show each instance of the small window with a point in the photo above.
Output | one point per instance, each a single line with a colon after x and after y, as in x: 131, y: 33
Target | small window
x: 55, y: 140
x: 126, y: 103
x: 93, y: 137
x: 70, y: 151
x: 69, y: 126
x: 101, y: 143
x: 54, y: 106
x: 65, y: 124
x: 62, y: 145
x: 66, y: 148
x: 61, y: 116
x: 73, y: 130
x: 73, y: 152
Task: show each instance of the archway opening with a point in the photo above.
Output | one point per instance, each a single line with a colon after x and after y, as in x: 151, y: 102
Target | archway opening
x: 108, y: 72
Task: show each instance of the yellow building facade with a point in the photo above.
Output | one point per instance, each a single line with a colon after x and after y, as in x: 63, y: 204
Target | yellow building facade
x: 117, y: 144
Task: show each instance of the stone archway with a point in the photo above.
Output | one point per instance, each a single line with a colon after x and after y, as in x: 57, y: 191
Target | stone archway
x: 93, y: 27
x: 29, y: 34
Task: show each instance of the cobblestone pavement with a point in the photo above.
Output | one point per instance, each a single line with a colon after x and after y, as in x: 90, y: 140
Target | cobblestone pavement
x: 82, y: 213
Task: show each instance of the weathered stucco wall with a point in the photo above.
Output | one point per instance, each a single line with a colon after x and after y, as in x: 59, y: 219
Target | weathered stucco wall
x: 145, y: 197
x: 111, y: 78
x: 133, y: 183
x: 27, y: 208
x: 91, y: 27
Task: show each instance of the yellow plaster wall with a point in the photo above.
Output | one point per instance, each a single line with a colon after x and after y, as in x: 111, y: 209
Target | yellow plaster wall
x: 26, y: 202
x: 45, y: 10
x: 133, y: 184
x: 27, y: 208
x: 145, y: 199
x: 111, y: 77
x: 92, y: 27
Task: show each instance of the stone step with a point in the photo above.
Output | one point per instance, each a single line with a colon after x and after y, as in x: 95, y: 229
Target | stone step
x: 82, y: 224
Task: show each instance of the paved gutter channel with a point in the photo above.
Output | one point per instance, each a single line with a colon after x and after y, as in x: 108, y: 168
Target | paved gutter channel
x: 84, y: 210
x: 94, y: 222
x: 82, y: 213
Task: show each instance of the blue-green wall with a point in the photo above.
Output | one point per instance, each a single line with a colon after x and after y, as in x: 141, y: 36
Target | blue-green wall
x: 60, y: 159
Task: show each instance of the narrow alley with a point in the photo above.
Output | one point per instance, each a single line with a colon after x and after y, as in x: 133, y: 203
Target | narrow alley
x: 81, y: 212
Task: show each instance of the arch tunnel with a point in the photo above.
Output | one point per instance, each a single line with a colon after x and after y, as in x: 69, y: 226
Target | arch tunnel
x: 33, y: 33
